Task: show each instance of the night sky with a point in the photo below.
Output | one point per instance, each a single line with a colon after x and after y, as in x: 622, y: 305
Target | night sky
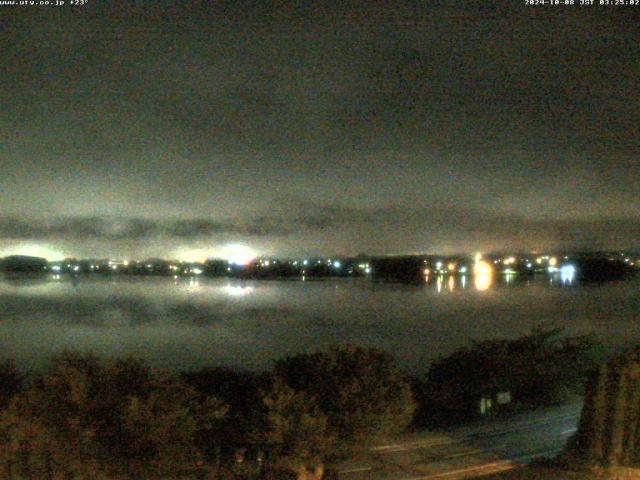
x: 135, y: 129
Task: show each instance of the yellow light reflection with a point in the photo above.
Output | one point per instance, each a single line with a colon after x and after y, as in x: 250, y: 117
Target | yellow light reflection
x: 451, y: 283
x: 483, y: 275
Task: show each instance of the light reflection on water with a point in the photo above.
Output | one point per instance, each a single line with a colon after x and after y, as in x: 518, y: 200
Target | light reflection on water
x: 195, y: 322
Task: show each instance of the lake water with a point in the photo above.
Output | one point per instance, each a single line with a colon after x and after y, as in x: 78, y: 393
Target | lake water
x: 191, y: 323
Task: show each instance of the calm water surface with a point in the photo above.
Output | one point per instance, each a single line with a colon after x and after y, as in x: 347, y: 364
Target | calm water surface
x: 191, y: 323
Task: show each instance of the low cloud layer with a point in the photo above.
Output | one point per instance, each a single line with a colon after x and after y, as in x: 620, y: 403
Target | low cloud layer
x: 309, y: 227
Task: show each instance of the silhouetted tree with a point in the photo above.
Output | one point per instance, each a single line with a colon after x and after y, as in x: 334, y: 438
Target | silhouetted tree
x: 540, y: 368
x: 296, y: 433
x: 358, y: 389
x: 10, y: 382
x: 86, y: 418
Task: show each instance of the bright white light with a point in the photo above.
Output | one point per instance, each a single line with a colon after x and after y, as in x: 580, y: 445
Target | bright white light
x: 76, y: 268
x: 463, y: 269
x: 567, y: 273
x: 33, y: 250
x: 305, y: 262
x: 367, y: 270
x: 197, y: 271
x: 337, y: 264
x: 56, y: 268
x: 237, y: 254
x: 438, y: 265
x: 552, y: 269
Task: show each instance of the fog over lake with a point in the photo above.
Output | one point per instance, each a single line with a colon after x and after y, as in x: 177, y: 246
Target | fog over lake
x: 189, y: 323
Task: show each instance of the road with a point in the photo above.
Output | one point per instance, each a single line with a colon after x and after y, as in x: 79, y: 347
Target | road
x: 485, y: 447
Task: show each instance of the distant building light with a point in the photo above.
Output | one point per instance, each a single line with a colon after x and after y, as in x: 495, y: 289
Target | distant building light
x: 56, y: 268
x: 305, y: 262
x: 76, y: 268
x: 197, y: 271
x: 451, y: 267
x: 337, y: 264
x: 438, y: 265
x: 553, y: 261
x: 463, y: 270
x: 367, y: 270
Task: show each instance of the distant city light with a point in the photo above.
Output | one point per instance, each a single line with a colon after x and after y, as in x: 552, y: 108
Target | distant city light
x: 463, y: 270
x: 451, y: 267
x: 197, y: 271
x: 337, y: 264
x: 567, y: 273
x: 237, y: 254
x: 509, y: 260
x: 367, y: 270
x: 553, y: 261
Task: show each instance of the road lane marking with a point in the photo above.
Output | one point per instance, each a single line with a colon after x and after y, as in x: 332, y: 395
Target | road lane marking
x: 355, y: 470
x: 398, y: 447
x: 502, y: 465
